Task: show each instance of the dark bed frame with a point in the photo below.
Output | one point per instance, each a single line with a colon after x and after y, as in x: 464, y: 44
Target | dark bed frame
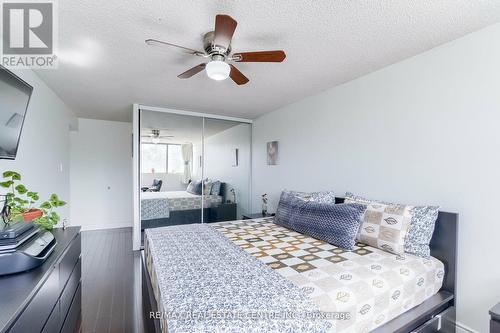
x: 436, y: 314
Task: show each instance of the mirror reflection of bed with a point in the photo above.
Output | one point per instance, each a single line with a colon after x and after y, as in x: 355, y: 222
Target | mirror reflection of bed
x: 190, y: 162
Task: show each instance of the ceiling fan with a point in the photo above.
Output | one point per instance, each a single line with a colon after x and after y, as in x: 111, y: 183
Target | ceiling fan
x: 217, y: 49
x: 155, y: 136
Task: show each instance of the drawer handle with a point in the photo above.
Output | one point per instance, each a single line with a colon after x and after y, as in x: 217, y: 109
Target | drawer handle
x: 437, y: 317
x: 439, y: 321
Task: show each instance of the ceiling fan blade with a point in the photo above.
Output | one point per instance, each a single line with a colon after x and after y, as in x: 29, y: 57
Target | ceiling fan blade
x: 155, y: 42
x: 260, y: 56
x: 237, y: 76
x: 225, y: 26
x: 190, y: 72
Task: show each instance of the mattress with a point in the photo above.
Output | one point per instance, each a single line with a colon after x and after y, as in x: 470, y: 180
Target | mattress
x: 158, y: 205
x: 204, y: 283
x: 360, y: 289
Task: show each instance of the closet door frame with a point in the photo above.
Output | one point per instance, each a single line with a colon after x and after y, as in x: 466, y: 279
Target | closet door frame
x: 136, y: 141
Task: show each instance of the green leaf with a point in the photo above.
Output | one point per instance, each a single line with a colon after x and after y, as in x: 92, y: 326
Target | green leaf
x: 20, y: 201
x: 54, y: 217
x: 46, y: 205
x: 33, y: 195
x: 21, y: 189
x: 12, y: 174
x: 6, y: 184
x: 45, y: 222
x: 54, y: 197
x: 7, y: 174
x: 59, y: 203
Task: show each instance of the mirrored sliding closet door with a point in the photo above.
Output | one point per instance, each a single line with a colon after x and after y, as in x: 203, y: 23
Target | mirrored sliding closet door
x: 171, y: 155
x: 227, y: 169
x: 193, y: 169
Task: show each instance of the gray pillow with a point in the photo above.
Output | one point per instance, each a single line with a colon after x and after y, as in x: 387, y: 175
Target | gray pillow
x: 335, y: 224
x: 195, y: 187
x: 323, y: 197
x: 287, y: 205
x: 216, y: 188
x: 422, y: 225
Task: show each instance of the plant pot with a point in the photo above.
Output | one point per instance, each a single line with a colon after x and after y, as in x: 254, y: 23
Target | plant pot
x: 32, y: 214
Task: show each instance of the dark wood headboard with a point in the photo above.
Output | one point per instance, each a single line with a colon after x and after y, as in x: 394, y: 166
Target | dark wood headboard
x: 443, y: 246
x: 222, y: 193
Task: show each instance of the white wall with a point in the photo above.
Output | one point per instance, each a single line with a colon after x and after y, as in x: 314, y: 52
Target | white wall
x: 101, y: 174
x: 423, y: 131
x: 171, y: 181
x: 43, y: 155
x: 219, y: 152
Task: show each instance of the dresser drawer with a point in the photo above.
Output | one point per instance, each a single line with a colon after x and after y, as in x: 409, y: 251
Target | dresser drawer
x: 53, y: 324
x: 68, y: 262
x: 72, y: 318
x: 70, y: 289
x: 494, y: 326
x: 33, y: 318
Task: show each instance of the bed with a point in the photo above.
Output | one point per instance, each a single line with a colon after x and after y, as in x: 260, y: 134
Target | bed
x: 268, y: 268
x: 175, y: 207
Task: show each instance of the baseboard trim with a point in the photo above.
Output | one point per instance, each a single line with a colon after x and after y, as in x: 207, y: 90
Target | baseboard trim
x: 102, y: 226
x: 462, y: 328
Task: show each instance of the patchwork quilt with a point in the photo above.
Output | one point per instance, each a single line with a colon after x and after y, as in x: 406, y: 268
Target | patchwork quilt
x: 354, y: 291
x: 372, y: 285
x: 203, y: 283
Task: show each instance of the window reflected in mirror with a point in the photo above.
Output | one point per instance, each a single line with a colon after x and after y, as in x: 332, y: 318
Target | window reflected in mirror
x: 193, y: 169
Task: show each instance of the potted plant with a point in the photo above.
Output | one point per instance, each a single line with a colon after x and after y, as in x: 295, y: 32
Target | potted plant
x: 21, y: 204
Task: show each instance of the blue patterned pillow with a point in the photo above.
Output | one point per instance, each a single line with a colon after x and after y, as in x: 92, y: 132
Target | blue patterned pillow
x: 288, y: 204
x: 290, y: 201
x: 335, y: 224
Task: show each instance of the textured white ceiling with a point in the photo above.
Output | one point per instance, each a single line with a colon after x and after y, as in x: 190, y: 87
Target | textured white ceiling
x: 105, y: 66
x: 184, y: 129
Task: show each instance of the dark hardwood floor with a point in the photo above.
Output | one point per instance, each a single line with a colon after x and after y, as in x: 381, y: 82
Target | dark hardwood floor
x: 111, y: 283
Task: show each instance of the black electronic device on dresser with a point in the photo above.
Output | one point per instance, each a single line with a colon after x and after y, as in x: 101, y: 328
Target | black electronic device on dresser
x: 23, y: 246
x: 46, y: 298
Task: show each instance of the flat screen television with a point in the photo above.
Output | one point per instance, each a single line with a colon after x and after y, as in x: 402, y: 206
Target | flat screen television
x: 14, y: 99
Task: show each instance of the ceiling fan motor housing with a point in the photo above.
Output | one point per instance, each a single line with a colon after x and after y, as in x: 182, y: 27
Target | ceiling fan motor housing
x: 212, y: 49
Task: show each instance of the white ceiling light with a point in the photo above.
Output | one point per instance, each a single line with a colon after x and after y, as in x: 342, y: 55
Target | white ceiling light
x: 155, y: 140
x: 218, y: 70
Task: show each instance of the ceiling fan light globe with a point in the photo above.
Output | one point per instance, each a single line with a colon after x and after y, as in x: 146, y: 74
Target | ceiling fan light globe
x: 218, y: 70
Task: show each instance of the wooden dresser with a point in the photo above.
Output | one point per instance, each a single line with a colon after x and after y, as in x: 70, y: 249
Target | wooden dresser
x: 47, y: 298
x: 495, y: 319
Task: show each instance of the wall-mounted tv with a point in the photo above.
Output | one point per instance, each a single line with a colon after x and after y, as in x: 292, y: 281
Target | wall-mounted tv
x: 14, y: 99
